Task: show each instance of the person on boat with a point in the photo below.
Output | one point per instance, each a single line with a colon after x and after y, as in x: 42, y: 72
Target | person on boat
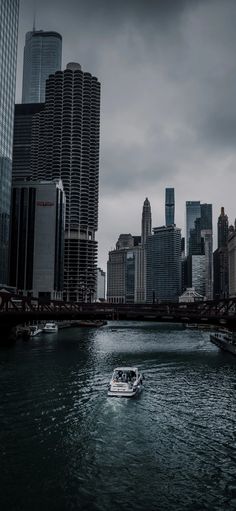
x: 132, y: 376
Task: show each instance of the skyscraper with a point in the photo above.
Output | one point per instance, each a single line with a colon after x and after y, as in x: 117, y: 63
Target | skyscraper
x: 65, y: 145
x: 164, y: 264
x: 232, y: 261
x: 141, y: 253
x: 221, y: 266
x: 200, y: 243
x: 222, y: 229
x: 23, y: 124
x: 42, y: 57
x: 125, y: 271
x: 101, y: 285
x: 193, y: 211
x: 146, y: 229
x: 9, y: 12
x: 170, y: 206
x: 37, y: 238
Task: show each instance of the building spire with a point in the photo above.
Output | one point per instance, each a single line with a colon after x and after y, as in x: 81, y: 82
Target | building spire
x: 34, y: 21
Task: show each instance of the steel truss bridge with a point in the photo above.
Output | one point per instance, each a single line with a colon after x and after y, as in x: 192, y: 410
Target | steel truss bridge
x: 15, y: 310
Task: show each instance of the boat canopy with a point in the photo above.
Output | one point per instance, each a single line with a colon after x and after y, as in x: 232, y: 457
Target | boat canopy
x: 126, y: 370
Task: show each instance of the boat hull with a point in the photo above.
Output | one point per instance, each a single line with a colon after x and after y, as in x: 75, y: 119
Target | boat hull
x: 36, y: 332
x: 129, y: 394
x: 48, y: 331
x: 223, y: 344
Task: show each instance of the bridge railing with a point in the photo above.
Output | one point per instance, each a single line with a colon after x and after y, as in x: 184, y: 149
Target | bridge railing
x: 14, y: 303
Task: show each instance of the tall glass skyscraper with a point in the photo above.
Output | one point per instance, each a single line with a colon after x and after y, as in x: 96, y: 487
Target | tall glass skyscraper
x: 170, y: 206
x: 200, y: 243
x: 193, y: 211
x: 9, y: 12
x: 42, y: 57
x: 164, y: 264
x: 23, y: 126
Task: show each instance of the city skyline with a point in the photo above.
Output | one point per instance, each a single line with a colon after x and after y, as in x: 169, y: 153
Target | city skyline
x: 157, y: 133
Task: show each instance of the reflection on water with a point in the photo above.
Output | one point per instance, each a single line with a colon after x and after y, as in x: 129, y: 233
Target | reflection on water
x: 65, y: 445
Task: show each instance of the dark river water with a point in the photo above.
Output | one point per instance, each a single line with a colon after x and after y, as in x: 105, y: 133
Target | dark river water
x: 65, y: 445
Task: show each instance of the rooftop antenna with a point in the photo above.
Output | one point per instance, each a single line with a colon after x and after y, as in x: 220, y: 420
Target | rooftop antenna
x: 34, y: 23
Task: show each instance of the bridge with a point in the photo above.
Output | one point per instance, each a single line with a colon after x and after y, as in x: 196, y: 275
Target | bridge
x: 16, y: 310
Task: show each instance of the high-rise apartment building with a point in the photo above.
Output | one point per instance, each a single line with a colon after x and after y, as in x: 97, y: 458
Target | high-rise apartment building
x: 170, y: 206
x: 9, y: 12
x: 42, y: 57
x: 164, y: 264
x: 37, y: 238
x: 65, y: 145
x: 23, y: 125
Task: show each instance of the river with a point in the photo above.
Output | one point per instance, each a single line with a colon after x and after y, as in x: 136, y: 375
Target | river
x: 65, y: 445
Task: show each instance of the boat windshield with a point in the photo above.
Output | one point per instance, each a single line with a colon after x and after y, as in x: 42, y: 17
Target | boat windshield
x: 124, y: 375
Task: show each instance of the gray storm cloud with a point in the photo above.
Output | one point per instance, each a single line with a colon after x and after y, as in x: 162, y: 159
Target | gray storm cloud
x: 168, y: 112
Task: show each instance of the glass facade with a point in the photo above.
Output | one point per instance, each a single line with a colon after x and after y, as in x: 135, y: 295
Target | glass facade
x: 200, y: 242
x: 37, y: 238
x: 170, y: 206
x: 164, y: 264
x: 23, y: 131
x: 130, y: 276
x: 193, y: 211
x: 9, y: 12
x: 206, y: 216
x: 42, y: 57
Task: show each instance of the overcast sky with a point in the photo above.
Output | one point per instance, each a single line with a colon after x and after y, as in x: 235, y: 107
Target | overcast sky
x: 168, y: 105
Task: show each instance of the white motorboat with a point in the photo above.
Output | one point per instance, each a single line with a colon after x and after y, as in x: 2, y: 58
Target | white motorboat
x: 50, y: 328
x: 225, y: 341
x: 125, y: 382
x: 34, y: 330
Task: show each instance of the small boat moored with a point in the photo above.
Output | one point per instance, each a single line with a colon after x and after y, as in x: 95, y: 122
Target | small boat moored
x: 225, y: 341
x: 125, y: 382
x: 34, y: 330
x: 50, y: 327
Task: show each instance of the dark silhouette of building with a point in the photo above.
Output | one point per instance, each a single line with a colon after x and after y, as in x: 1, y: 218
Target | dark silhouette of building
x: 23, y: 125
x: 220, y: 258
x: 37, y: 238
x: 65, y: 145
x: 9, y: 12
x: 222, y: 229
